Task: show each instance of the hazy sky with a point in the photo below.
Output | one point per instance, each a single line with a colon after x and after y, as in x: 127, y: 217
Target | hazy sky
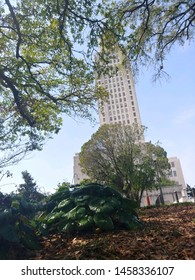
x: 166, y: 108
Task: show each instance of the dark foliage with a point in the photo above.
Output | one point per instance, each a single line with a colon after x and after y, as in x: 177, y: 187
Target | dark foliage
x: 87, y: 208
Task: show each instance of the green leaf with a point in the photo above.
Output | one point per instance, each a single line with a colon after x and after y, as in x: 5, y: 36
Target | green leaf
x: 54, y: 217
x: 103, y: 222
x: 86, y: 223
x: 96, y: 203
x: 66, y: 204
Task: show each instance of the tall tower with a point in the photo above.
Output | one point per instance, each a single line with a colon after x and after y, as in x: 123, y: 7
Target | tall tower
x: 121, y: 105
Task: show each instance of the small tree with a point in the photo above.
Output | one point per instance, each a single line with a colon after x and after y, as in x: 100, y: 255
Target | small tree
x: 115, y: 156
x: 29, y: 189
x: 149, y: 173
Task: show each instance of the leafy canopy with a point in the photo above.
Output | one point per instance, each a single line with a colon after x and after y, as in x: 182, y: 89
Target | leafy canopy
x: 150, y: 29
x: 47, y: 56
x: 43, y: 70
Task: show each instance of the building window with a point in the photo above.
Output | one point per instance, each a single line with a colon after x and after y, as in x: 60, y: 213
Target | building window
x: 134, y: 114
x: 174, y: 173
x: 172, y: 164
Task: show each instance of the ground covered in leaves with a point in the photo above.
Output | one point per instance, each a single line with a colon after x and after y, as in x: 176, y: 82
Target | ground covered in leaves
x: 168, y: 234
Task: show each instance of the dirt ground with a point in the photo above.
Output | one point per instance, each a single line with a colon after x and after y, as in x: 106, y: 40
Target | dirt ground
x: 168, y: 234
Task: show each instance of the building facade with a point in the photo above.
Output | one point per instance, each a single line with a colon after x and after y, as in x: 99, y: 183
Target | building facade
x: 171, y: 194
x: 121, y: 105
x: 78, y: 175
x: 176, y: 173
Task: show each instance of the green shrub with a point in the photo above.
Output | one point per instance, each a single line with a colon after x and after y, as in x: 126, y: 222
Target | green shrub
x: 87, y: 208
x: 16, y: 228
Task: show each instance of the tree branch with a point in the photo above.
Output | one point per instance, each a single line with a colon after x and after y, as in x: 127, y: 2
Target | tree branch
x: 17, y: 28
x: 17, y: 100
